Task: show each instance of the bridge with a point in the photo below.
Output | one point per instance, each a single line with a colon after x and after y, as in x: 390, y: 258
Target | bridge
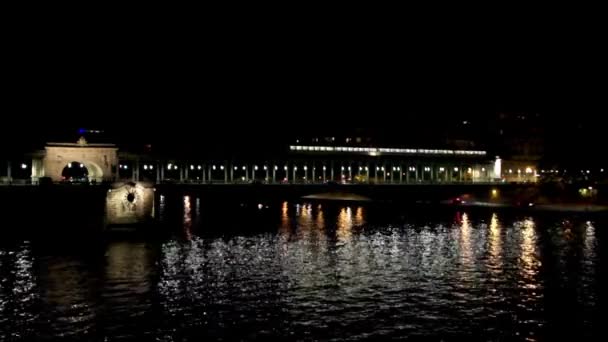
x: 307, y: 165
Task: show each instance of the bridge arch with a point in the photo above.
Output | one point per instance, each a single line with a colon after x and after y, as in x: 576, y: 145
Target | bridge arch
x: 82, y: 171
x: 100, y: 160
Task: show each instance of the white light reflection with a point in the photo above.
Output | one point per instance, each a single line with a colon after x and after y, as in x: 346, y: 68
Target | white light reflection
x: 20, y: 289
x: 590, y: 243
x: 187, y: 217
x: 465, y: 240
x: 529, y: 262
x: 345, y: 225
x: 495, y: 246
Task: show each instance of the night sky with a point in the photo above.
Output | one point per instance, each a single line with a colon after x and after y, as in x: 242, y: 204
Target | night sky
x: 254, y: 93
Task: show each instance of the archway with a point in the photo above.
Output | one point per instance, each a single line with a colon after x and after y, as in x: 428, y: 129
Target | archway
x: 81, y: 172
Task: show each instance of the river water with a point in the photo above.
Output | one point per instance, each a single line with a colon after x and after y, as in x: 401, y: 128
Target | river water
x: 310, y: 271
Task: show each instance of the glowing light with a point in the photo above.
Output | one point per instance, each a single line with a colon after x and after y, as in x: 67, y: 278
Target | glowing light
x: 174, y: 167
x: 483, y: 169
x: 349, y: 168
x: 265, y: 167
x: 588, y: 171
x: 285, y: 168
x: 456, y: 169
x: 169, y: 166
x: 70, y: 165
x: 260, y: 206
x: 494, y: 192
x: 497, y: 167
x: 24, y: 166
x: 244, y: 168
x: 590, y: 188
x: 518, y: 171
x: 145, y: 167
x: 305, y: 168
x: 441, y: 169
x: 510, y: 171
x: 295, y: 168
x: 151, y: 167
x: 469, y: 170
x: 125, y: 167
x: 221, y: 167
x: 199, y: 167
x: 81, y: 166
x: 528, y: 170
x: 213, y: 167
x: 324, y: 168
x: 342, y: 168
x: 236, y: 168
x: 255, y: 167
x: 191, y: 167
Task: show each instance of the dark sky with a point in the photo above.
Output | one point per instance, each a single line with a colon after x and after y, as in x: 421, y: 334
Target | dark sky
x: 245, y: 88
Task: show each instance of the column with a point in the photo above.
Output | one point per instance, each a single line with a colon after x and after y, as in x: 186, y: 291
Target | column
x: 226, y: 173
x: 186, y: 172
x: 294, y: 179
x: 117, y: 168
x: 384, y: 172
x: 181, y: 172
x: 137, y: 169
x: 266, y: 169
x: 162, y: 172
x: 157, y: 179
x: 314, y: 179
x: 376, y: 173
x: 416, y: 174
x: 286, y: 169
x: 9, y: 172
x: 305, y: 173
x: 324, y: 172
x: 407, y: 175
x: 400, y: 173
x: 255, y: 167
x: 274, y: 174
x: 332, y: 170
x: 232, y: 173
x: 246, y: 173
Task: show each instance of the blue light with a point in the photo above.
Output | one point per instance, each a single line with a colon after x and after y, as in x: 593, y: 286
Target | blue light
x: 82, y: 131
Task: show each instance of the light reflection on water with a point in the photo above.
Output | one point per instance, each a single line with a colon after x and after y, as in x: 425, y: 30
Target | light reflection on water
x: 317, y: 272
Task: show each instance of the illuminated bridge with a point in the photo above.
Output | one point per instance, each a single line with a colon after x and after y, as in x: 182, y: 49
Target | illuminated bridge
x: 84, y: 162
